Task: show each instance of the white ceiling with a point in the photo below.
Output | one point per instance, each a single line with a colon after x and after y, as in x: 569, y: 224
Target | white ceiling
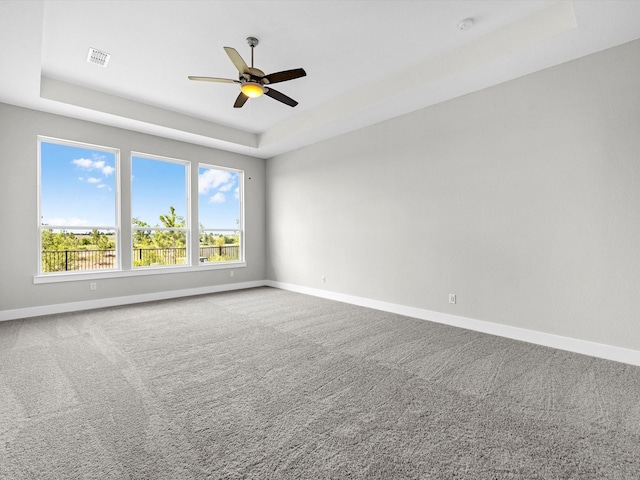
x: 366, y: 61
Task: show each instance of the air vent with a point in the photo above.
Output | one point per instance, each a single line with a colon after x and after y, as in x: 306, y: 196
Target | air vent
x: 98, y: 57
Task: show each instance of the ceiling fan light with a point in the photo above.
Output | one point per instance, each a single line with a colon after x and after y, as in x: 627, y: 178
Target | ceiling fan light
x: 252, y: 89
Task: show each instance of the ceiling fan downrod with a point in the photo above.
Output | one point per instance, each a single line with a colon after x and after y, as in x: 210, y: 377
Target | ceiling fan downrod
x: 253, y: 42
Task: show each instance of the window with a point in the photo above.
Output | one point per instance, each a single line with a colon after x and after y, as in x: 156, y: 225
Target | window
x: 220, y: 214
x: 159, y: 209
x: 87, y: 230
x: 78, y: 207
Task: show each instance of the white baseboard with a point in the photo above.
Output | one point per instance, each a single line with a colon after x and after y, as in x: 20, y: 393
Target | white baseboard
x: 584, y: 347
x: 115, y: 301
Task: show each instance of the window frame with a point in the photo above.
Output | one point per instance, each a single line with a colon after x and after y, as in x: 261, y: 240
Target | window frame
x: 187, y: 216
x: 117, y: 206
x: 240, y: 229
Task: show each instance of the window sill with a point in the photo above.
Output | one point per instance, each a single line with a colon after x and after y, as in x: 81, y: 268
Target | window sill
x: 140, y: 271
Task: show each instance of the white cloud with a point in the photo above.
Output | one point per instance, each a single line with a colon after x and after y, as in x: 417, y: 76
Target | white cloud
x: 102, y: 185
x: 83, y: 163
x: 87, y: 164
x: 236, y: 192
x: 226, y: 187
x: 68, y: 222
x: 77, y: 222
x: 218, y: 198
x: 212, y: 179
x: 94, y: 180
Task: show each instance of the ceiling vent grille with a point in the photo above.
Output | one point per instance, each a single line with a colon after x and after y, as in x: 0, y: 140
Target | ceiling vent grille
x: 98, y: 57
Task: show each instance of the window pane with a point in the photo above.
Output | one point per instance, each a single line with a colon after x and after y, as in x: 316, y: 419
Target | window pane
x: 78, y: 249
x: 219, y: 246
x: 220, y: 214
x: 159, y: 248
x: 219, y: 198
x: 157, y: 187
x: 159, y: 199
x: 78, y: 203
x: 77, y: 186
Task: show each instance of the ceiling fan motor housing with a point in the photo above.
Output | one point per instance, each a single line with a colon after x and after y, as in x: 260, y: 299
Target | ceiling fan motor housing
x: 256, y: 72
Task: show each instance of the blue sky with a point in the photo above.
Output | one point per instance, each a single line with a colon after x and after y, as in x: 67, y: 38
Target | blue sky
x: 78, y: 186
x: 218, y: 198
x: 155, y: 186
x: 78, y: 189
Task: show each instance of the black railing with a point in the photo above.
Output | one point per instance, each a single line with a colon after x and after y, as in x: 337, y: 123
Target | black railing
x: 63, y: 260
x: 69, y: 260
x: 219, y: 253
x: 159, y: 256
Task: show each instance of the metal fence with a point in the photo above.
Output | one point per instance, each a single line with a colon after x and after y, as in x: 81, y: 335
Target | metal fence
x: 63, y: 260
x: 223, y: 253
x: 159, y: 256
x: 69, y: 260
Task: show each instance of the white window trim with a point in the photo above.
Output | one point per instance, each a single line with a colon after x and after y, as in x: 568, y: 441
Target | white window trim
x: 140, y: 271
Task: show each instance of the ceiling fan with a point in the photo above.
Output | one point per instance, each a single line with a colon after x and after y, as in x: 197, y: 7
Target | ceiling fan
x: 253, y: 82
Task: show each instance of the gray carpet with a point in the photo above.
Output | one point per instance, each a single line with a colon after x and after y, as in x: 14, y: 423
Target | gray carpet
x: 269, y: 384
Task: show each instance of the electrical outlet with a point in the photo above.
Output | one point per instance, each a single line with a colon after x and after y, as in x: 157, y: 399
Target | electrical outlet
x: 323, y: 279
x: 231, y: 273
x: 93, y: 286
x: 452, y: 298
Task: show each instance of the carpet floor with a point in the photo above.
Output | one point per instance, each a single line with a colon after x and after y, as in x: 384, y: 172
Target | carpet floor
x: 270, y: 384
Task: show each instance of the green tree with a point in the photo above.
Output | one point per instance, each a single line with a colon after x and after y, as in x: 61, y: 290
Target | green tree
x: 219, y: 241
x: 58, y: 242
x: 104, y: 243
x: 171, y: 239
x: 141, y: 238
x: 171, y: 220
x: 95, y: 237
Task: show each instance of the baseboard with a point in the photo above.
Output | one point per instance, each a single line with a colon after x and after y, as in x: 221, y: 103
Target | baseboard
x: 584, y: 347
x: 126, y: 300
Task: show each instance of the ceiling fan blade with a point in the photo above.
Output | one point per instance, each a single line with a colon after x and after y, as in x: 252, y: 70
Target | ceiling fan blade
x: 237, y: 60
x: 213, y: 79
x: 285, y: 75
x: 281, y: 97
x: 240, y: 101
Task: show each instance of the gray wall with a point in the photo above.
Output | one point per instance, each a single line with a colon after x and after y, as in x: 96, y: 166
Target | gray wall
x: 522, y: 199
x: 19, y: 128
